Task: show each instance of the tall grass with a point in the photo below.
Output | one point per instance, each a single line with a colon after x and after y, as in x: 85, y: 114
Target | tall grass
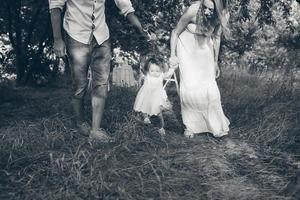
x: 44, y: 157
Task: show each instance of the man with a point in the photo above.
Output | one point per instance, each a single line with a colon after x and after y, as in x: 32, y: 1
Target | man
x: 87, y: 45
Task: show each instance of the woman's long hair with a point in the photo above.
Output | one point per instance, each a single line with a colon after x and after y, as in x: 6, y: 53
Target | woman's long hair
x: 220, y: 16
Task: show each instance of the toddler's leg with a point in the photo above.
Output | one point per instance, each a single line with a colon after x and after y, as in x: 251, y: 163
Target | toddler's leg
x: 162, y: 124
x: 146, y: 118
x: 161, y: 119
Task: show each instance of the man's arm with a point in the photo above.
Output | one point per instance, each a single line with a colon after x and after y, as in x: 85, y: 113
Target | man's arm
x: 56, y: 7
x: 127, y: 10
x: 132, y: 18
x: 56, y: 23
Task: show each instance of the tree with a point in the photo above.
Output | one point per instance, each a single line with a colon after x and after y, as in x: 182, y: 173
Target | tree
x: 254, y: 23
x: 27, y: 24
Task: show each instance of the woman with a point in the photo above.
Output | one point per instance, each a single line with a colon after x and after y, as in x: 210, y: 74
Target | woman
x: 195, y: 46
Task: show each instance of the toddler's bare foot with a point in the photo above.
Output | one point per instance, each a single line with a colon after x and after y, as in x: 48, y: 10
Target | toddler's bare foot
x: 162, y: 131
x: 147, y: 120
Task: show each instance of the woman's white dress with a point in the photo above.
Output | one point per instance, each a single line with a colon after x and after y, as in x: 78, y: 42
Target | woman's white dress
x: 151, y: 98
x: 199, y: 94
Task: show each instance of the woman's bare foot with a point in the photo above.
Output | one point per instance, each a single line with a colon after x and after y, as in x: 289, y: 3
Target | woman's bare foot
x: 188, y: 134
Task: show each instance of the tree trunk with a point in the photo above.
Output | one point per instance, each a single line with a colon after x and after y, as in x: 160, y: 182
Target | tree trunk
x: 37, y: 57
x: 15, y: 35
x: 18, y: 44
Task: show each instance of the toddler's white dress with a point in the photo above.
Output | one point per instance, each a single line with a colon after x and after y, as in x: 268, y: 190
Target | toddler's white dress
x: 151, y: 98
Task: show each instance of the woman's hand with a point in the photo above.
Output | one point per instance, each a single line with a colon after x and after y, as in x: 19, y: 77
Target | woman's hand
x: 174, y: 62
x: 217, y: 70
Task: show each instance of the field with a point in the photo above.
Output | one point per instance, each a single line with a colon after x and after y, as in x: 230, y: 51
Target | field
x: 43, y: 157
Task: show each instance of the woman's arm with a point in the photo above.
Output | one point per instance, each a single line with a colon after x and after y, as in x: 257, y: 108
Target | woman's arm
x: 185, y: 19
x: 216, y: 47
x: 217, y: 41
x: 169, y: 73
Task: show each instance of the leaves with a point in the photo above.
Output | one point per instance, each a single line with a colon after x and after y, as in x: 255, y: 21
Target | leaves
x: 261, y: 31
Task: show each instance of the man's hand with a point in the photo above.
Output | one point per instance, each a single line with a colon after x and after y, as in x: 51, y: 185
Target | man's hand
x: 217, y: 70
x: 152, y: 36
x: 148, y: 35
x: 59, y: 48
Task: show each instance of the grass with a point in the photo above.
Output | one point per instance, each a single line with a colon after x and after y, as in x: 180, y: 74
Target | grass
x: 43, y: 157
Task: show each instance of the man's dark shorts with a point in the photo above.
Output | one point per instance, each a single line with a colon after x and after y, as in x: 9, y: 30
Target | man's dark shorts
x: 82, y: 56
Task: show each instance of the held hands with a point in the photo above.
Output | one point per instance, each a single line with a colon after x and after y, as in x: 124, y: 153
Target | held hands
x: 148, y: 35
x: 152, y: 36
x: 59, y: 48
x: 174, y: 62
x: 217, y: 70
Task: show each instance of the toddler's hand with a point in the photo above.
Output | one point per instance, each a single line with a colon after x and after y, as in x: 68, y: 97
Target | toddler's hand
x: 149, y: 35
x: 152, y: 36
x: 173, y: 61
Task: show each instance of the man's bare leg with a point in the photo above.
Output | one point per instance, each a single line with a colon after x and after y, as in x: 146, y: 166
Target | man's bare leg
x: 100, y: 66
x: 98, y: 104
x: 77, y: 105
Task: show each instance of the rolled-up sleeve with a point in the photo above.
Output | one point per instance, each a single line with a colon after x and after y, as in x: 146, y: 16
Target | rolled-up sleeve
x: 57, y: 4
x: 125, y: 6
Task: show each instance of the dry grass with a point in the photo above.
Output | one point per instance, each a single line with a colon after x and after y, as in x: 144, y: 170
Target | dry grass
x: 43, y: 157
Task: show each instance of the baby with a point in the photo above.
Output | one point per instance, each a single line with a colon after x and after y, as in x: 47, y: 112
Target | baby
x: 152, y: 98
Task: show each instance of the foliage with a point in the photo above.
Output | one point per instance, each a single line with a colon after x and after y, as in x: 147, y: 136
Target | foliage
x: 265, y: 34
x: 265, y: 42
x: 26, y: 22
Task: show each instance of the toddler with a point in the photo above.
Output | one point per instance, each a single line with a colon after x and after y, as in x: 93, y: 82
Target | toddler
x: 152, y: 98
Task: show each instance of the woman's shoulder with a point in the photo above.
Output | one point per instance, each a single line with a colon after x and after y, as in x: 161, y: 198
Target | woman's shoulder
x: 192, y: 9
x: 194, y: 1
x: 195, y: 5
